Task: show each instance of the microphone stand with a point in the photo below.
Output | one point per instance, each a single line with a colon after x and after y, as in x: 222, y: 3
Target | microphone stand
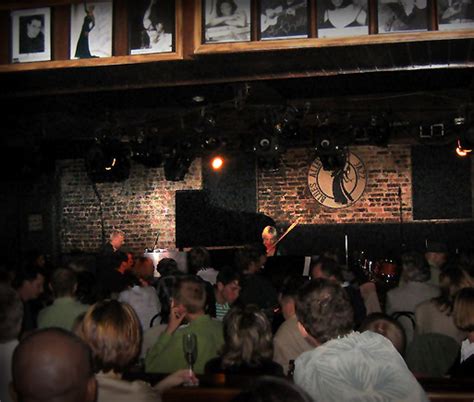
x: 154, y: 245
x: 402, y: 242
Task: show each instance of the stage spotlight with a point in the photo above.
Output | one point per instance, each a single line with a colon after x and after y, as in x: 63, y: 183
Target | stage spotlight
x: 217, y: 162
x: 148, y: 151
x: 268, y: 151
x: 463, y: 148
x: 330, y: 149
x: 107, y: 161
x: 465, y: 142
x: 176, y: 167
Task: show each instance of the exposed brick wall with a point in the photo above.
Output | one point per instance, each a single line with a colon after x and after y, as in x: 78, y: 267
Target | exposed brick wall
x: 140, y: 206
x: 145, y: 203
x: 285, y: 196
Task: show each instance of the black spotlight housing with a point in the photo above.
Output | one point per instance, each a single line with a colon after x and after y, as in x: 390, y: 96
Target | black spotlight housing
x: 107, y: 161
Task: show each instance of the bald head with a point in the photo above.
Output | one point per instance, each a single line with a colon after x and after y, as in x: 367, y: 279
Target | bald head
x: 53, y: 365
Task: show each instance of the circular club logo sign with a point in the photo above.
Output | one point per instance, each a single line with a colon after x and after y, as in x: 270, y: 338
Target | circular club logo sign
x: 339, y: 188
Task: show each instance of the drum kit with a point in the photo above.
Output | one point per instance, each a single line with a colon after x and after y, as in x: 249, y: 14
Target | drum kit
x: 383, y: 271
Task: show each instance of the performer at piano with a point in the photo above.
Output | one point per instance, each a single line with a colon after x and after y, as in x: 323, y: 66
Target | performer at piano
x: 269, y: 238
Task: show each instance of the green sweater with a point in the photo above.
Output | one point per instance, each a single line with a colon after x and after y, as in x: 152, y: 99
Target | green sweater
x: 167, y: 355
x: 62, y: 313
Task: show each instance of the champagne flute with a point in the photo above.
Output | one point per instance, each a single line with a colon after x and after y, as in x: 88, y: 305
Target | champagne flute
x: 190, y: 353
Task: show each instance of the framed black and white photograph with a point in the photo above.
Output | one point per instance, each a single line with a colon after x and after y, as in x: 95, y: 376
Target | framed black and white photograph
x: 152, y: 26
x: 338, y: 18
x: 31, y: 35
x: 402, y: 15
x: 455, y: 14
x: 226, y: 21
x: 91, y: 30
x: 283, y: 19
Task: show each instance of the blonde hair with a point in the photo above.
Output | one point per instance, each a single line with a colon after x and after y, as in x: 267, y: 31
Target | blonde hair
x: 270, y: 230
x: 248, y: 337
x: 112, y: 331
x: 463, y: 311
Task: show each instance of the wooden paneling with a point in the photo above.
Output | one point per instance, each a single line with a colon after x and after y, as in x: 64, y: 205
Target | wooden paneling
x: 4, y: 37
x: 120, y: 27
x: 189, y: 37
x: 61, y: 32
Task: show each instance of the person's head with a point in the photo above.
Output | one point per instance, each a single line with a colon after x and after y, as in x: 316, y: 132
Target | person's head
x: 117, y: 239
x: 34, y: 25
x: 29, y: 283
x: 130, y: 260
x: 269, y: 236
x: 143, y: 268
x: 112, y: 331
x: 324, y: 311
x: 63, y: 282
x: 272, y: 389
x: 154, y: 31
x: 287, y: 296
x: 327, y: 268
x: 120, y: 261
x: 226, y: 8
x: 414, y: 268
x: 191, y: 294
x: 463, y: 311
x: 11, y: 313
x: 450, y: 282
x: 387, y: 326
x: 227, y: 285
x: 167, y: 267
x: 334, y: 4
x: 247, y: 336
x: 90, y: 9
x: 198, y: 257
x: 249, y: 260
x: 53, y: 365
x: 436, y: 254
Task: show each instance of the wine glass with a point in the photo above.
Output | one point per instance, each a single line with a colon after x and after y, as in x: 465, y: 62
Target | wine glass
x: 190, y: 353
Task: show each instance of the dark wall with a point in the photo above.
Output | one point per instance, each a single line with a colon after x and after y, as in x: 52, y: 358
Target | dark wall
x: 441, y: 181
x: 378, y: 240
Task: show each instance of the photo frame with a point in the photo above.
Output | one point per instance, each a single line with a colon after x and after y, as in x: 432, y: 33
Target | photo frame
x: 226, y: 21
x: 152, y: 26
x: 396, y: 16
x: 31, y: 35
x: 342, y: 18
x: 91, y: 30
x: 287, y: 19
x: 455, y: 14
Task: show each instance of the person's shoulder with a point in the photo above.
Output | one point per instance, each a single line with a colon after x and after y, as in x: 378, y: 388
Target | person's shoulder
x: 119, y: 390
x: 286, y: 328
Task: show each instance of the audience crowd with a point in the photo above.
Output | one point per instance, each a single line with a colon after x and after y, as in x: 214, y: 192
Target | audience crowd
x: 75, y: 332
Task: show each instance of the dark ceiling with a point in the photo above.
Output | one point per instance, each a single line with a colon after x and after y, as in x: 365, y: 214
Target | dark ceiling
x: 407, y: 85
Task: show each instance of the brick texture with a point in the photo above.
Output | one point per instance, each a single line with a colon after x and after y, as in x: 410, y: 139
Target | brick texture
x: 145, y: 203
x: 285, y: 196
x: 140, y: 206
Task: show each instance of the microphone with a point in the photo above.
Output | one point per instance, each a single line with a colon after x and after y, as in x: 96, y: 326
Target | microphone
x: 156, y: 240
x: 151, y: 250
